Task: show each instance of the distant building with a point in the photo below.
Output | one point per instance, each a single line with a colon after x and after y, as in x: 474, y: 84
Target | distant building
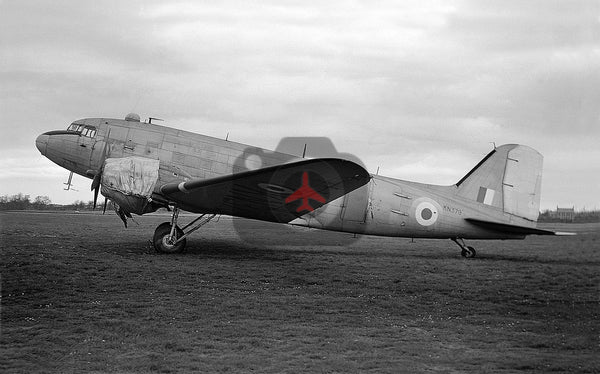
x: 564, y: 214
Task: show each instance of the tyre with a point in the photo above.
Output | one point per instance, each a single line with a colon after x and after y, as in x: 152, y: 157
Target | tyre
x: 470, y: 252
x: 162, y: 241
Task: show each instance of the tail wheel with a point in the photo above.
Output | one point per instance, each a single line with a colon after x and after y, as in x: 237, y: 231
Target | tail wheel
x: 465, y: 250
x: 164, y: 243
x: 468, y: 252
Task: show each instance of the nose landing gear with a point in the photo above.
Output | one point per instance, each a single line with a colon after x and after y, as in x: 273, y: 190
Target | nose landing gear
x: 466, y: 251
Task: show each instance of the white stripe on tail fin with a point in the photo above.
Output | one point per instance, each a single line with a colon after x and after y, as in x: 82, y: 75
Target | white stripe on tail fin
x: 508, y: 178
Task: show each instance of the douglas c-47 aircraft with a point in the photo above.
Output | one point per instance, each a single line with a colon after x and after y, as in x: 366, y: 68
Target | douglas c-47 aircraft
x: 142, y: 167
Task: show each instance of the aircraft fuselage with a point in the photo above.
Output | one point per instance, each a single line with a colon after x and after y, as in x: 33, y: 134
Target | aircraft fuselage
x: 383, y: 206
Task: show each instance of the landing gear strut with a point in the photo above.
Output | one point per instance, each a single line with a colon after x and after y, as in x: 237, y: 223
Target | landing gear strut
x: 466, y: 251
x: 170, y: 238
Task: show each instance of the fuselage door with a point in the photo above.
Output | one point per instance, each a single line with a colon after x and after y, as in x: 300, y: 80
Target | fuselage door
x: 354, y: 208
x: 118, y: 144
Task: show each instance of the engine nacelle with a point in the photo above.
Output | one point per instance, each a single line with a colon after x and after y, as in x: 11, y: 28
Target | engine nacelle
x: 129, y: 182
x: 130, y: 203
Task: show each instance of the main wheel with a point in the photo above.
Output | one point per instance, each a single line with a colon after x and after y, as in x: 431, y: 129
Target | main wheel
x: 164, y: 243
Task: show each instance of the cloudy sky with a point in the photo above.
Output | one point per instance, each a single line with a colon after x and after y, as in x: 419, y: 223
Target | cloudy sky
x: 419, y: 89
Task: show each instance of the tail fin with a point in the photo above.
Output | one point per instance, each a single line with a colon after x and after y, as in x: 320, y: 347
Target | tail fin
x: 509, y: 178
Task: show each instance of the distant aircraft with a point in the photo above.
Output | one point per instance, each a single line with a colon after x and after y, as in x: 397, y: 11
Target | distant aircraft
x: 142, y: 167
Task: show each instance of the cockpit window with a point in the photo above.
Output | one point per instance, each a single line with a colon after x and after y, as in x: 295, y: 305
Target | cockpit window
x: 85, y: 130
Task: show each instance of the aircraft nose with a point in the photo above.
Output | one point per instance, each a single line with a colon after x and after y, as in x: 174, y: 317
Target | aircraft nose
x: 41, y: 143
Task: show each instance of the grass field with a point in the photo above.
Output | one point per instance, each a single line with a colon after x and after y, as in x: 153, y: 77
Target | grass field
x: 82, y: 294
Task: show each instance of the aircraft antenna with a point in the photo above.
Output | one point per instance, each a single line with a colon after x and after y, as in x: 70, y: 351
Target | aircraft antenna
x: 377, y: 172
x: 494, y: 143
x: 304, y: 151
x: 227, y: 136
x: 151, y: 118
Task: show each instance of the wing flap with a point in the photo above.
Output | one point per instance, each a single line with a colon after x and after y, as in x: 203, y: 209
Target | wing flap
x: 262, y: 193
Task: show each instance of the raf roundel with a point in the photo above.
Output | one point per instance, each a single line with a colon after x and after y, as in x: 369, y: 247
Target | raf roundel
x: 426, y: 213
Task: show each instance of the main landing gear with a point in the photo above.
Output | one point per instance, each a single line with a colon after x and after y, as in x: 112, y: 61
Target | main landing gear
x: 170, y: 238
x: 466, y: 251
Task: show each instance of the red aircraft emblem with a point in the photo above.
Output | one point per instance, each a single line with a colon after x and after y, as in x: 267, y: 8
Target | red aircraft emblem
x: 305, y: 193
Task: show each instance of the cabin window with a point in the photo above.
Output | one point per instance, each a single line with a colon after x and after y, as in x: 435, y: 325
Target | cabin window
x: 84, y: 130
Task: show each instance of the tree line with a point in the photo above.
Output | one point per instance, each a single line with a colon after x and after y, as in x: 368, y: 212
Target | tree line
x: 24, y: 202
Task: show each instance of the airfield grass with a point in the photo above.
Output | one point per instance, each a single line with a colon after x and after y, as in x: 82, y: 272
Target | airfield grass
x: 82, y: 294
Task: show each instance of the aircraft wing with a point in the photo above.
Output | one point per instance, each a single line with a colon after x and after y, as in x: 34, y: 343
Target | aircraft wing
x: 261, y: 193
x: 514, y: 229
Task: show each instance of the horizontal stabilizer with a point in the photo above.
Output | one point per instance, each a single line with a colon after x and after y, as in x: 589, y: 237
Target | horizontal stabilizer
x: 513, y: 229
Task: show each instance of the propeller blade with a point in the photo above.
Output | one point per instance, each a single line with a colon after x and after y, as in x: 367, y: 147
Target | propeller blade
x: 96, y: 187
x: 96, y: 181
x: 122, y: 214
x: 98, y: 177
x: 104, y: 150
x: 95, y: 197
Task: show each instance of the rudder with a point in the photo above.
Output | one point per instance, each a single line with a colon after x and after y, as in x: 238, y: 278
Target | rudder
x: 508, y: 178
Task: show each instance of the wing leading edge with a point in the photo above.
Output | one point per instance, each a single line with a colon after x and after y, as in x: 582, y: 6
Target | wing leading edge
x: 262, y: 193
